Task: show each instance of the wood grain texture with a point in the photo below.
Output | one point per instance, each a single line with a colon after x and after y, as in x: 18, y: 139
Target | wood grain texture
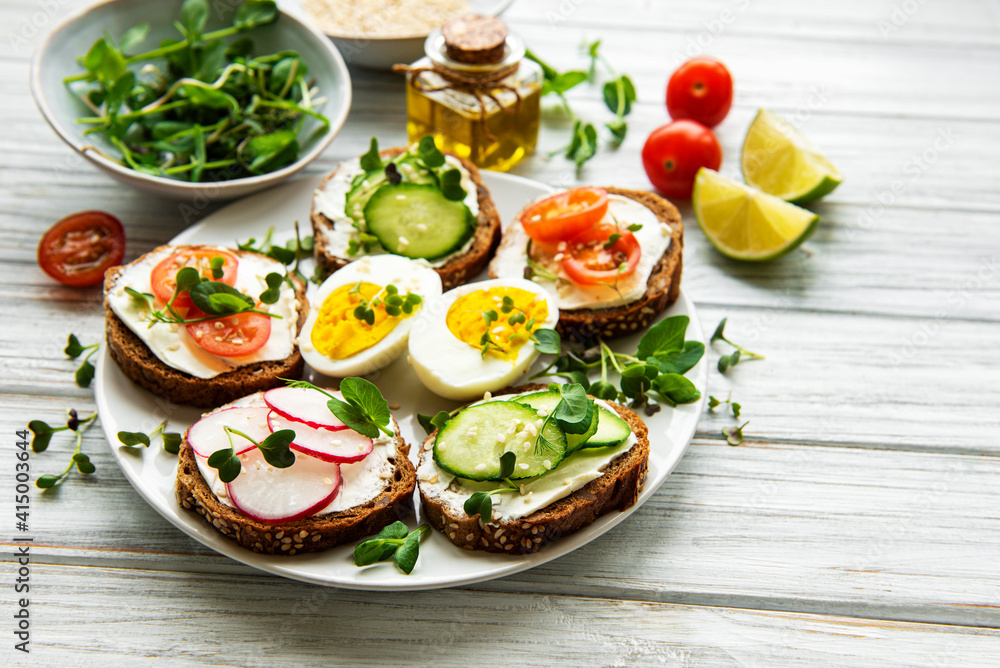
x: 866, y: 488
x: 276, y: 622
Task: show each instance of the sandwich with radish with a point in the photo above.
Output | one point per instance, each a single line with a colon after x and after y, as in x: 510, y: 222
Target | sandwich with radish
x: 298, y: 468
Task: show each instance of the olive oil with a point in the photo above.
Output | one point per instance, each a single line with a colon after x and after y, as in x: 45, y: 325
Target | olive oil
x: 453, y: 118
x: 476, y: 94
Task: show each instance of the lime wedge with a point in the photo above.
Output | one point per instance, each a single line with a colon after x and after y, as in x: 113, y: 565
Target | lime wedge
x: 744, y: 223
x: 781, y: 161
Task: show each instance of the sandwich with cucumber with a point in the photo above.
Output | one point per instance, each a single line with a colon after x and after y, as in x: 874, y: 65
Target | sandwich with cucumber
x: 517, y: 470
x: 414, y: 201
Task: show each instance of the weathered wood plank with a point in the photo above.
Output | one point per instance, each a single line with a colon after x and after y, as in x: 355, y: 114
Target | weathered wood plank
x: 274, y: 622
x: 894, y: 535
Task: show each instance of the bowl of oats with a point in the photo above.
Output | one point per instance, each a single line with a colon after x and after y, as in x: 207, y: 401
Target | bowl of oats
x: 377, y: 34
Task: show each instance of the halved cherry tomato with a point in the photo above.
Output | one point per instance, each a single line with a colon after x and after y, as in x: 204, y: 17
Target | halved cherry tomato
x: 588, y: 262
x: 565, y: 215
x: 164, y: 276
x: 233, y: 335
x: 79, y: 248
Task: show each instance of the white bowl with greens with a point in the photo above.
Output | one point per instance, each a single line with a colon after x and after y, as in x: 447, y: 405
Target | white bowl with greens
x: 242, y: 97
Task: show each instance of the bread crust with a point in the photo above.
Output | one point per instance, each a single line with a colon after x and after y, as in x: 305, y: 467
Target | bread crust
x: 456, y: 271
x: 138, y: 362
x: 662, y: 289
x: 312, y: 534
x: 617, y: 489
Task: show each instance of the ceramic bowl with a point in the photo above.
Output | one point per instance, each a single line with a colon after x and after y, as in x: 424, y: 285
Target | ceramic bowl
x: 56, y: 59
x: 381, y: 53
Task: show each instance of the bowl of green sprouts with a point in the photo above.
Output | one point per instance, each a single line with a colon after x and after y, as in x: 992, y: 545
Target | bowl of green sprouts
x: 192, y: 99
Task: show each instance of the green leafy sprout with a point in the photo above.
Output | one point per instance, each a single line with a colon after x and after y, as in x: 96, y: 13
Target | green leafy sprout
x: 394, y: 542
x: 85, y: 372
x: 732, y: 359
x: 171, y: 440
x: 42, y: 435
x: 201, y: 107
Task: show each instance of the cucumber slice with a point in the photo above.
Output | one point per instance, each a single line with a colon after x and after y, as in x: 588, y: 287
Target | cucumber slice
x: 611, y: 430
x: 547, y: 400
x: 468, y: 446
x: 418, y: 221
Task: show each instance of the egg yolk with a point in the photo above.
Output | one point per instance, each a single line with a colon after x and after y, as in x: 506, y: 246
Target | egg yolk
x: 338, y: 334
x: 471, y: 319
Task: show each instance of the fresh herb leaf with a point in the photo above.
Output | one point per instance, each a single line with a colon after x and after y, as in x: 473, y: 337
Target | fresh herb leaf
x: 131, y: 438
x: 275, y: 448
x: 42, y: 435
x: 713, y: 403
x: 73, y: 347
x: 431, y: 423
x: 219, y: 299
x: 602, y: 389
x: 84, y: 374
x: 736, y: 409
x: 393, y: 542
x: 680, y: 362
x: 226, y: 463
x: 734, y: 435
x: 547, y: 341
x: 676, y: 388
x: 372, y: 161
x: 665, y: 338
x: 575, y: 409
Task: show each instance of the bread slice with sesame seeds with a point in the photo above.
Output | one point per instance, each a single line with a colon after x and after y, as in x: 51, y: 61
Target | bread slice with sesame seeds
x: 459, y: 269
x: 141, y: 365
x: 662, y: 288
x: 313, y: 534
x: 617, y: 489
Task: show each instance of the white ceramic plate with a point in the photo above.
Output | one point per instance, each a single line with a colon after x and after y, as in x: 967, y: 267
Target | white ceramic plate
x: 123, y: 406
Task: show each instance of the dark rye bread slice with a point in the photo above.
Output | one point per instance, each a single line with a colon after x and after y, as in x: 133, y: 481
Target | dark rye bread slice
x: 456, y: 271
x: 312, y: 534
x: 617, y: 489
x: 139, y: 363
x: 662, y: 288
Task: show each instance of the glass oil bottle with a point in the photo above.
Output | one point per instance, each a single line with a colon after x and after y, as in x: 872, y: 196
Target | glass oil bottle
x: 482, y: 104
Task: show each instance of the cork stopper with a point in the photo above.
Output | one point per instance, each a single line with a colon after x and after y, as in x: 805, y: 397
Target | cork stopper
x: 475, y: 39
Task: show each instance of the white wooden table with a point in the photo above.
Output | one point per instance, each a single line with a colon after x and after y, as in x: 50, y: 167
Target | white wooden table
x: 858, y: 525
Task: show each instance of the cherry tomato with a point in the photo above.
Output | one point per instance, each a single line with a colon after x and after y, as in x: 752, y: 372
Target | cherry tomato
x: 233, y: 335
x: 79, y: 248
x: 164, y: 276
x: 565, y: 214
x: 674, y: 153
x: 588, y: 262
x: 701, y: 89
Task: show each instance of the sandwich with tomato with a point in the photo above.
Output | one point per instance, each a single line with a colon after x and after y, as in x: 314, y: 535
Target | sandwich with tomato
x: 611, y: 257
x: 204, y: 325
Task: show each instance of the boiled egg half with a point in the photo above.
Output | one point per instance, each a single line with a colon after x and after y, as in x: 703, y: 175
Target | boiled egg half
x: 464, y: 344
x: 339, y: 340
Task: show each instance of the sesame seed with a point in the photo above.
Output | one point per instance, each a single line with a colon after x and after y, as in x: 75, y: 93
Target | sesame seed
x: 441, y: 446
x: 394, y: 406
x: 487, y: 396
x: 470, y: 538
x: 421, y: 227
x: 522, y: 489
x: 501, y: 438
x: 567, y: 481
x: 218, y: 325
x: 547, y: 464
x: 452, y: 535
x: 480, y: 467
x: 523, y: 467
x: 558, y: 256
x: 433, y: 480
x: 327, y: 481
x: 452, y: 525
x: 526, y: 447
x: 538, y: 424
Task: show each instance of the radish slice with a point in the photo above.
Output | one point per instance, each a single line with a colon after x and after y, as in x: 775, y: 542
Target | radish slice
x: 207, y: 434
x: 342, y: 446
x: 300, y: 404
x: 268, y: 494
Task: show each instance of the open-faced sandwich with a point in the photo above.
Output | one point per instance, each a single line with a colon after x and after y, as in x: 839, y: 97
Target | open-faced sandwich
x: 611, y: 257
x: 516, y: 471
x: 416, y: 202
x: 279, y: 473
x: 204, y: 325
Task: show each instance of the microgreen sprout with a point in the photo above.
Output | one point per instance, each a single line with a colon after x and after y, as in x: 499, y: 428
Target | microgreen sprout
x: 171, y: 440
x: 395, y: 542
x: 42, y: 435
x: 85, y: 372
x: 731, y: 360
x: 734, y: 435
x: 388, y: 296
x: 481, y: 503
x: 275, y: 450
